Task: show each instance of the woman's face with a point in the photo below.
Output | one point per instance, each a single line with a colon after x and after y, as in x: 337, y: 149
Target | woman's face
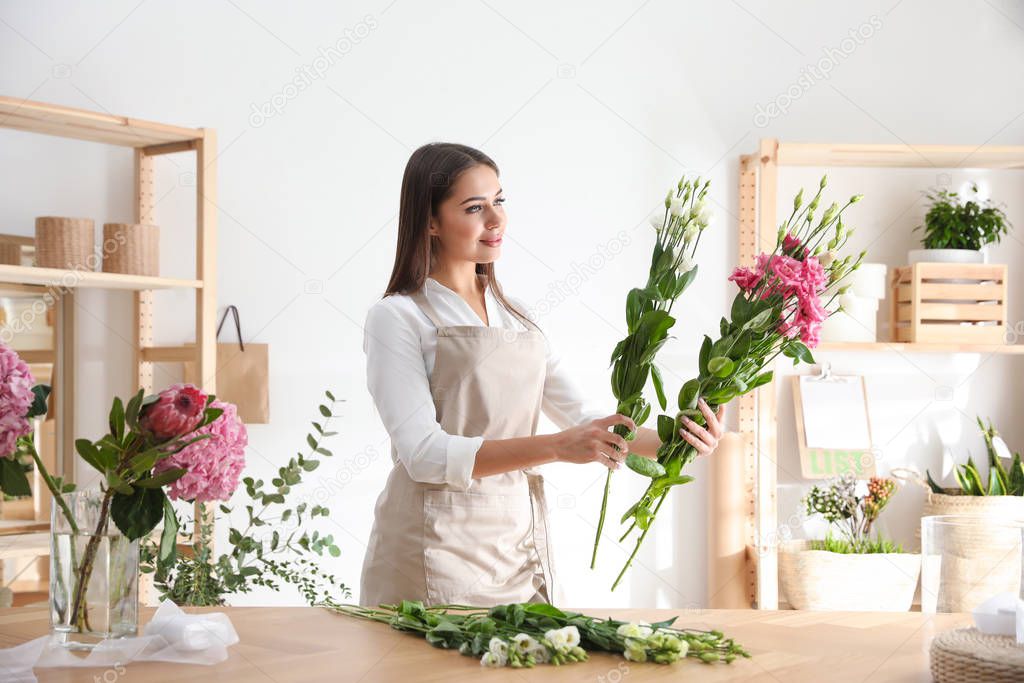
x: 471, y: 221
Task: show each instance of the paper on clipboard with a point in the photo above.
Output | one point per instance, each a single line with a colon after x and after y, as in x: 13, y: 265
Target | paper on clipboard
x: 834, y: 412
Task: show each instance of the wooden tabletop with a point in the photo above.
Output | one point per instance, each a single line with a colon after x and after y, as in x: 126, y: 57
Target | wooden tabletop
x: 284, y: 644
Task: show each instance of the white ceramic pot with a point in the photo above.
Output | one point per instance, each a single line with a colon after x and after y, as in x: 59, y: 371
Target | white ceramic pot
x: 946, y: 256
x: 872, y: 582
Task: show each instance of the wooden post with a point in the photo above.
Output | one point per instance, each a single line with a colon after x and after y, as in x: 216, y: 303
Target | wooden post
x: 206, y: 271
x: 766, y: 520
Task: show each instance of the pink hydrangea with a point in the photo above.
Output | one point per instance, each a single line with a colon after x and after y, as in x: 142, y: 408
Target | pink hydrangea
x: 16, y: 398
x: 212, y: 465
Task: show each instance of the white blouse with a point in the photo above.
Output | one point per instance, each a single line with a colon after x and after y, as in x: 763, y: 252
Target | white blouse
x: 400, y: 344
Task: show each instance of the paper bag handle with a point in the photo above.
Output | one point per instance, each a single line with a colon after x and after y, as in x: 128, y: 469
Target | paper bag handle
x: 238, y: 326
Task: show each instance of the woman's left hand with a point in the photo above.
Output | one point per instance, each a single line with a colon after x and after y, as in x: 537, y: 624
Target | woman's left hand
x: 704, y: 439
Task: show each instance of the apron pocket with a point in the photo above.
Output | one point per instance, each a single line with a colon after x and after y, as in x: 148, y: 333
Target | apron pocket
x: 478, y: 548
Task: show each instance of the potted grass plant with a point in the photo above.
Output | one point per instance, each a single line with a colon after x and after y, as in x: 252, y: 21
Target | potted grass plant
x: 957, y: 228
x: 851, y: 570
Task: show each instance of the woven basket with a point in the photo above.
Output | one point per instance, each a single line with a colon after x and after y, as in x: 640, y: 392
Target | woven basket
x: 65, y: 243
x: 966, y: 655
x: 822, y: 580
x: 131, y: 248
x: 955, y: 503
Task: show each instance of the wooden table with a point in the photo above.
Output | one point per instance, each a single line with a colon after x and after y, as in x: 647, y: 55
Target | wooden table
x: 283, y: 644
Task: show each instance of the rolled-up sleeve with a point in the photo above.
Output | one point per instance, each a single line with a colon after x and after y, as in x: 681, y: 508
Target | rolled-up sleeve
x: 397, y: 379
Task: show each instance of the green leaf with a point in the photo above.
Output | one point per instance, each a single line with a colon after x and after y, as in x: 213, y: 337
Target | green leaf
x: 688, y: 395
x: 666, y: 425
x: 13, y: 480
x: 116, y: 420
x: 1015, y: 477
x: 311, y: 441
x: 131, y: 412
x: 92, y: 455
x: 797, y: 351
x: 761, y: 379
x: 645, y: 466
x: 544, y: 609
x: 721, y: 366
x: 996, y: 484
x: 759, y: 321
x: 139, y: 513
x: 329, y: 395
x: 705, y: 356
x: 325, y: 411
x: 115, y: 482
x: 659, y: 387
x: 40, y: 393
x: 931, y: 483
x: 162, y: 479
x: 168, y: 539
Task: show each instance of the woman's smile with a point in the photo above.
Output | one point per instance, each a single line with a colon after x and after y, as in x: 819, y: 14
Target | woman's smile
x: 494, y: 242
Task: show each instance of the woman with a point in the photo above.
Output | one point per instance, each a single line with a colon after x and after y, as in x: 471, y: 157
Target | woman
x: 460, y: 375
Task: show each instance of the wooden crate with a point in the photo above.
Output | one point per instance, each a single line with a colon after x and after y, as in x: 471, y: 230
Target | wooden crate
x: 949, y: 302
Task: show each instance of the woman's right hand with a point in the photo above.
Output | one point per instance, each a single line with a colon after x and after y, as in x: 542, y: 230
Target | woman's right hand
x: 593, y: 442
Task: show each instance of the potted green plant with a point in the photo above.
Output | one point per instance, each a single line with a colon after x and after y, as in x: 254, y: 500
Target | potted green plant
x: 956, y: 229
x: 852, y: 571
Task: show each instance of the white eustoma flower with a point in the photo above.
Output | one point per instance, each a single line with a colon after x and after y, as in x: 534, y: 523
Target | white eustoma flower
x: 639, y: 631
x: 558, y: 638
x: 676, y: 206
x: 686, y: 264
x: 657, y: 220
x: 690, y: 232
x: 499, y: 648
x: 635, y: 654
x: 572, y: 635
x: 827, y: 258
x: 540, y: 653
x: 492, y: 660
x: 524, y: 642
x: 704, y: 215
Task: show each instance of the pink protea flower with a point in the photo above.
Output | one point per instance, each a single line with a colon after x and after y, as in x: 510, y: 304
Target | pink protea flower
x: 16, y: 398
x: 178, y: 411
x: 214, y: 464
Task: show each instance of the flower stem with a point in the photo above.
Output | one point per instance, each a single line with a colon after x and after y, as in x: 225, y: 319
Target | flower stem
x: 600, y: 521
x: 50, y: 484
x: 640, y: 540
x: 78, y: 609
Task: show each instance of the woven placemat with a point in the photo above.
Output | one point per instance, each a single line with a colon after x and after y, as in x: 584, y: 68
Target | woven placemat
x: 967, y: 655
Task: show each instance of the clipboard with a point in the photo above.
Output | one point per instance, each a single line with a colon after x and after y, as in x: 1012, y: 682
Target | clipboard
x: 832, y: 425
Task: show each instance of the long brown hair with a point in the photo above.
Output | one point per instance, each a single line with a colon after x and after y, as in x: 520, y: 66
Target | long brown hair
x: 429, y: 177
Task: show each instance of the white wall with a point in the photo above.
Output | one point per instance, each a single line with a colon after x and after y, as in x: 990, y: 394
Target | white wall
x: 590, y: 109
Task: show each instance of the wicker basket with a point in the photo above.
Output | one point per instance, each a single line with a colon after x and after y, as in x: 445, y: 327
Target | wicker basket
x: 953, y: 502
x: 65, y: 243
x: 131, y: 248
x: 822, y: 580
x: 966, y: 655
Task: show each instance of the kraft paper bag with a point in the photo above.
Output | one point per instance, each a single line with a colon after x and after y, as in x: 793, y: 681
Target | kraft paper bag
x: 243, y: 375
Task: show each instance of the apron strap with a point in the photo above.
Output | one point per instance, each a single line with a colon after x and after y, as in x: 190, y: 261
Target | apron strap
x: 428, y: 310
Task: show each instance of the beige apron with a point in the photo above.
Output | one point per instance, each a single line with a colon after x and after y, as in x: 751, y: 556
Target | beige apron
x: 486, y: 545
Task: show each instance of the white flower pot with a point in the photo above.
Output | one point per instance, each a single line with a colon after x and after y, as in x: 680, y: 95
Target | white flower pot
x: 946, y: 256
x: 871, y: 582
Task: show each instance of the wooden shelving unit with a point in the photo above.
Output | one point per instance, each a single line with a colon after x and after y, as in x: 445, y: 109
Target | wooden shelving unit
x: 148, y: 140
x: 758, y: 180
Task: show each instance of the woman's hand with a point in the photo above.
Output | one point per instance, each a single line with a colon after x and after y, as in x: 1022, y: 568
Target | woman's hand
x: 593, y: 442
x: 704, y: 439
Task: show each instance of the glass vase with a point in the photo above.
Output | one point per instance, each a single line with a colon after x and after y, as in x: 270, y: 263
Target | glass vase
x: 94, y: 573
x: 968, y: 558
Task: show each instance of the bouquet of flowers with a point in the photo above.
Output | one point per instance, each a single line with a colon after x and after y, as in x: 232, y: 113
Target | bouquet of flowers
x: 152, y: 444
x: 521, y: 635
x: 263, y: 552
x: 782, y: 301
x: 648, y: 318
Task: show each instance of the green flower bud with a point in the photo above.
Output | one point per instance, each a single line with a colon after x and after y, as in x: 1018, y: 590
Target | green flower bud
x: 799, y: 200
x: 824, y: 181
x: 856, y: 198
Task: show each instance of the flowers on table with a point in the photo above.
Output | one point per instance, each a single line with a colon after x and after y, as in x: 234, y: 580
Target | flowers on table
x: 178, y: 409
x: 522, y: 635
x: 648, y: 320
x: 783, y: 299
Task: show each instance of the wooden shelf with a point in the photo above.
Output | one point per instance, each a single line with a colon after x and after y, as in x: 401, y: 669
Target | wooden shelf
x: 901, y: 156
x: 906, y: 347
x: 68, y: 122
x: 58, y: 277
